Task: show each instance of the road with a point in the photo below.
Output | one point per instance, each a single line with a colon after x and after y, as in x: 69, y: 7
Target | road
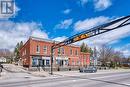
x: 113, y: 79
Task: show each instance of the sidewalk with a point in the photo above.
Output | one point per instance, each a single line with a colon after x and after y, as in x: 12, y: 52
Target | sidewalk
x: 3, y: 75
x: 13, y: 68
x: 40, y: 73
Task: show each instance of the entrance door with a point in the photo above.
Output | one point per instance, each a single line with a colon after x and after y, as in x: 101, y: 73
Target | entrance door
x: 43, y: 62
x: 61, y: 62
x: 39, y: 62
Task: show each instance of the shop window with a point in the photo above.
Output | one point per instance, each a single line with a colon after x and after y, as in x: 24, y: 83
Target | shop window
x: 34, y: 62
x: 66, y: 62
x: 78, y: 62
x: 40, y: 62
x: 56, y: 61
x: 47, y: 62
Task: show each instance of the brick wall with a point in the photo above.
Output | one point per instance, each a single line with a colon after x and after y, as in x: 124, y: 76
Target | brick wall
x: 72, y: 53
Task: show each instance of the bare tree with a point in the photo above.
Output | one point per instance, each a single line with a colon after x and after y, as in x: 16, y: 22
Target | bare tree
x: 116, y: 59
x: 105, y: 54
x: 109, y: 57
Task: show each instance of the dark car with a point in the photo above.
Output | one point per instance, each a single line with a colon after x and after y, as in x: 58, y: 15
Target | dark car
x: 88, y: 69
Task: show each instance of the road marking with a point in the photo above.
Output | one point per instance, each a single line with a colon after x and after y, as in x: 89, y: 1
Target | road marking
x: 112, y: 76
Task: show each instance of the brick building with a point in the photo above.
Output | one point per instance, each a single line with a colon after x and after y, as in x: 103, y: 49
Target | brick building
x: 37, y: 51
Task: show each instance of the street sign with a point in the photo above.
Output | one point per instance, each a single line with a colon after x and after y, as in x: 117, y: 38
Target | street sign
x: 80, y: 37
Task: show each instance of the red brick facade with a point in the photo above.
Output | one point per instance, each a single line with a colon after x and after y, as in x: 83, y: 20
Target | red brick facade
x: 36, y: 51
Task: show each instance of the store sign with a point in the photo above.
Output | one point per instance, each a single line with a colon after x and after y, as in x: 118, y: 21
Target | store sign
x: 47, y: 58
x: 80, y: 37
x: 62, y: 58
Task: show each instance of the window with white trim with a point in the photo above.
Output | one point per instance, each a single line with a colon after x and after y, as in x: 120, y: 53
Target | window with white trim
x: 63, y: 52
x: 71, y: 51
x: 25, y: 51
x: 45, y: 49
x: 59, y: 51
x: 38, y: 49
x: 76, y: 52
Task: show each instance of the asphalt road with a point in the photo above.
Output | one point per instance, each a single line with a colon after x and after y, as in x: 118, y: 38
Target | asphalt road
x: 118, y: 79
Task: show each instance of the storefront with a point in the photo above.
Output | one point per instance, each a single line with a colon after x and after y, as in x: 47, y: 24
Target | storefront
x: 62, y: 61
x: 46, y: 61
x: 40, y: 61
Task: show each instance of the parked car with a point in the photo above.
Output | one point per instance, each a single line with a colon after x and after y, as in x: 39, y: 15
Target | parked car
x: 88, y: 69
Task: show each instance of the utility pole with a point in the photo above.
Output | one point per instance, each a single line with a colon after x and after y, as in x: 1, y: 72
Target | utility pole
x: 51, y: 60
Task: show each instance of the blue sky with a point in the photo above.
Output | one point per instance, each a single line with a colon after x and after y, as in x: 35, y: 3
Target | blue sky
x: 50, y: 13
x: 59, y: 19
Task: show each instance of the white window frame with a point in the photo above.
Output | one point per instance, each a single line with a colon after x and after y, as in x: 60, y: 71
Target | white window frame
x: 63, y: 51
x: 76, y: 52
x: 71, y: 51
x: 45, y: 49
x: 25, y: 52
x: 59, y: 51
x: 38, y: 49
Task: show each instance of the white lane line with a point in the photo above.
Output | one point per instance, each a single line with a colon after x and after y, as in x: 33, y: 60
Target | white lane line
x: 112, y: 76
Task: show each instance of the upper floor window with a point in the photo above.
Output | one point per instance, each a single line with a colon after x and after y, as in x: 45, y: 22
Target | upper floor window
x: 38, y: 49
x: 59, y: 51
x: 76, y: 52
x: 45, y: 49
x: 63, y: 52
x: 25, y: 51
x: 70, y: 51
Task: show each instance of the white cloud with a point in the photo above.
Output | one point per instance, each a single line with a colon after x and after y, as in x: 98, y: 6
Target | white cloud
x: 89, y: 23
x: 99, y: 5
x: 7, y: 16
x: 126, y: 52
x: 124, y: 49
x: 60, y: 38
x: 111, y: 37
x: 67, y: 11
x: 39, y: 33
x: 64, y: 24
x: 102, y: 4
x: 82, y: 2
x: 11, y: 33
